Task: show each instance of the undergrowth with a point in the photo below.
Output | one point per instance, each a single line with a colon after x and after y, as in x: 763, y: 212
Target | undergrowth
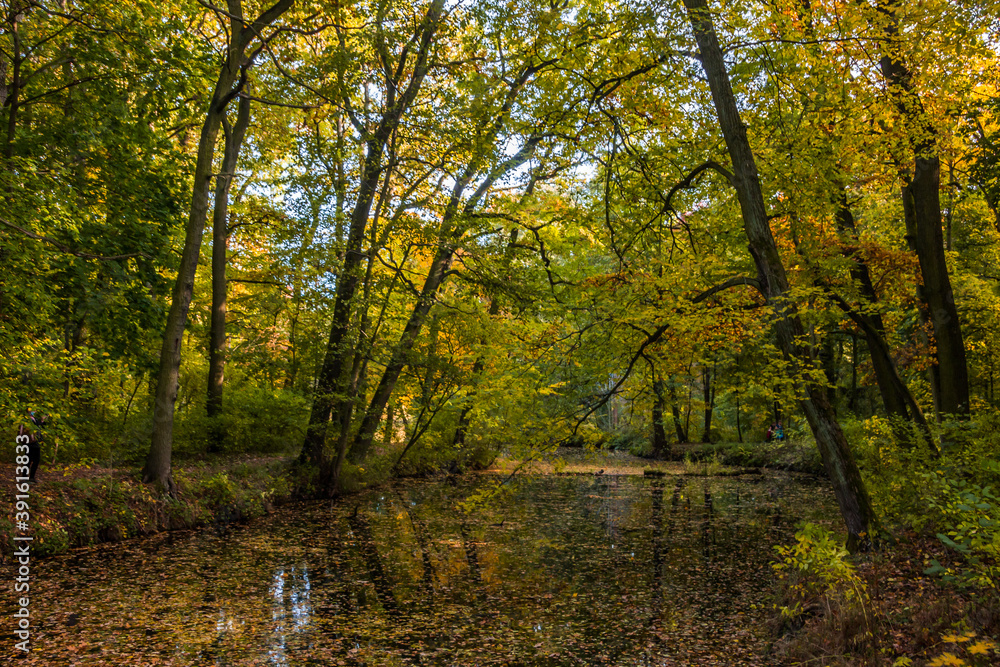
x: 929, y: 593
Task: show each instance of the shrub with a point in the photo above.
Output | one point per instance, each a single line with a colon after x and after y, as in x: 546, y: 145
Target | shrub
x: 218, y: 489
x: 254, y: 419
x: 817, y: 570
x: 631, y: 441
x: 968, y: 515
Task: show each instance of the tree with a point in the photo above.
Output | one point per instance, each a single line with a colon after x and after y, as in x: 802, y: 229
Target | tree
x: 229, y: 84
x: 771, y: 281
x: 336, y: 383
x: 90, y: 183
x: 921, y: 196
x: 220, y: 237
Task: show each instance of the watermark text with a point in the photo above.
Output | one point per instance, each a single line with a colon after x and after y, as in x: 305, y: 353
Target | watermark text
x: 22, y: 543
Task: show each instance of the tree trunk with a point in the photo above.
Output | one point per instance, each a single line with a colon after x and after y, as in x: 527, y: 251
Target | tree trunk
x: 12, y: 93
x: 228, y: 85
x: 220, y: 240
x: 158, y: 460
x: 849, y: 488
x: 828, y: 360
x: 687, y: 407
x: 659, y: 433
x: 390, y: 413
x: 709, y: 396
x: 922, y: 204
x: 896, y: 396
x: 676, y: 412
x: 852, y: 404
x: 739, y: 427
x: 332, y: 390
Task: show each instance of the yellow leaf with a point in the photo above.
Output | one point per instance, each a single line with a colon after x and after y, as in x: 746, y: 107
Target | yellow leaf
x: 946, y: 659
x: 982, y: 647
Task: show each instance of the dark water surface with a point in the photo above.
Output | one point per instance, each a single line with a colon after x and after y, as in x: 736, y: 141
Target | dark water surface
x: 581, y: 570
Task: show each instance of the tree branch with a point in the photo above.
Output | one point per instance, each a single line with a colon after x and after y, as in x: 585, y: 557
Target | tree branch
x: 277, y: 104
x: 688, y: 180
x: 732, y: 282
x: 641, y: 353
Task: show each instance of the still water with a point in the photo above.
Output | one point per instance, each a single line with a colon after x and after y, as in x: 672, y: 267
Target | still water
x: 574, y: 570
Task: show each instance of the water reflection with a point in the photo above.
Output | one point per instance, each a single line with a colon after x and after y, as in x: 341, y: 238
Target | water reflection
x: 569, y: 571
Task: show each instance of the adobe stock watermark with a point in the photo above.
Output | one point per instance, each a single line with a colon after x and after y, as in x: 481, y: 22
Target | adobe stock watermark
x: 22, y: 542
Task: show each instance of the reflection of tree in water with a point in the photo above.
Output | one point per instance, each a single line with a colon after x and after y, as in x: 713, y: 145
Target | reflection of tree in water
x: 419, y: 529
x: 613, y: 507
x: 707, y: 529
x: 376, y: 573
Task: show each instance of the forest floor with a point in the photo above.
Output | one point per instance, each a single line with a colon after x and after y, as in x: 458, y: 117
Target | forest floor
x: 78, y: 504
x: 891, y: 614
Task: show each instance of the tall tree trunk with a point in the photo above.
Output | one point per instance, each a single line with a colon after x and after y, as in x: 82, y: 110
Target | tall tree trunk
x: 228, y: 86
x: 896, y: 396
x: 709, y: 396
x: 852, y: 403
x: 220, y: 241
x: 451, y: 232
x: 849, y: 488
x: 12, y: 94
x: 687, y: 407
x: 883, y: 365
x: 739, y: 426
x: 922, y: 204
x: 659, y: 433
x: 828, y: 360
x: 679, y: 429
x: 332, y: 389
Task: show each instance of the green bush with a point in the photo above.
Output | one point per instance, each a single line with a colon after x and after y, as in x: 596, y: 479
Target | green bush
x: 817, y: 569
x: 253, y: 420
x: 218, y: 490
x: 951, y: 493
x: 631, y: 441
x: 968, y: 517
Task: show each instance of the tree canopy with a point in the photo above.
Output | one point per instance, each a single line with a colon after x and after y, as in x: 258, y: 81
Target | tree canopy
x: 440, y: 230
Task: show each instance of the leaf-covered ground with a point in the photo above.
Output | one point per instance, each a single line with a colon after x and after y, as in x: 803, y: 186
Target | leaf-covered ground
x: 80, y: 505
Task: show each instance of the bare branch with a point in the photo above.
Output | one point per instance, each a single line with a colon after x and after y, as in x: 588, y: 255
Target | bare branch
x: 688, y: 180
x: 650, y: 339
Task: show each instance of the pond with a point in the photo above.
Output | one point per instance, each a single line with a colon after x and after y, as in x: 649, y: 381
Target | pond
x: 562, y: 570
